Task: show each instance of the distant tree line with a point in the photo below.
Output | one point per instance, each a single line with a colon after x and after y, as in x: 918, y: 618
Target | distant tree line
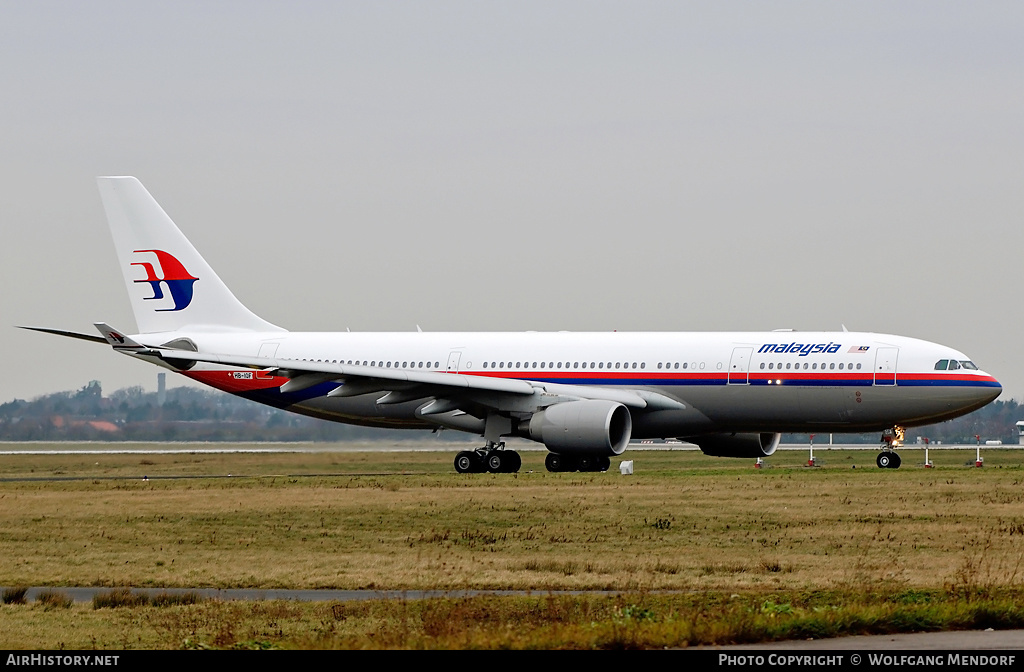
x: 193, y: 414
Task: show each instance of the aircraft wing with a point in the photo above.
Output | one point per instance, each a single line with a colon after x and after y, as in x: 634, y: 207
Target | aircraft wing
x: 407, y: 385
x: 449, y: 390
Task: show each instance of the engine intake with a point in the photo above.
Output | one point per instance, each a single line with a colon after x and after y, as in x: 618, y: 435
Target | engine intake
x: 738, y: 445
x: 591, y: 427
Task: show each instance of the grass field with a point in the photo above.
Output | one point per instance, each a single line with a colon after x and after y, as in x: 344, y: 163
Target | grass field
x: 709, y: 527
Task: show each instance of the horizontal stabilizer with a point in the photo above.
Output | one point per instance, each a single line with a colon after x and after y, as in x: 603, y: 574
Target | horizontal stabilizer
x: 69, y: 334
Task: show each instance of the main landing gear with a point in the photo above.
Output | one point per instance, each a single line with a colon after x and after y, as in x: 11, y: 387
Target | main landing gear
x: 493, y: 458
x: 891, y: 440
x: 557, y: 462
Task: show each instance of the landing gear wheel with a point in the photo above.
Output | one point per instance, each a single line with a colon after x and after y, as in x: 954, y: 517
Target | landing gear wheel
x: 587, y: 463
x: 555, y: 462
x: 496, y: 462
x: 514, y: 461
x: 504, y: 462
x: 466, y: 462
x: 603, y: 463
x: 888, y: 460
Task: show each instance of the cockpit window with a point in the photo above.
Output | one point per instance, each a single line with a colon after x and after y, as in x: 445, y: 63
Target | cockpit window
x: 953, y: 365
x: 941, y: 365
x: 969, y: 365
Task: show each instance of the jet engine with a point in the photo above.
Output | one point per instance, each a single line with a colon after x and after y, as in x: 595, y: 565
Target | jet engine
x: 589, y: 427
x: 738, y: 445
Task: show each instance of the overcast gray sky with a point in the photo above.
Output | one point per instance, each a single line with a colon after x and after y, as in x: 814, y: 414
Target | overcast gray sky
x: 522, y: 165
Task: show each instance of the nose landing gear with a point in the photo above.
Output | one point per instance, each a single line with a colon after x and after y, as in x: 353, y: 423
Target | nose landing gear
x: 891, y: 440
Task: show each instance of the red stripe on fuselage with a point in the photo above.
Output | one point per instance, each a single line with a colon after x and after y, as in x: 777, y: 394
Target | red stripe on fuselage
x: 227, y: 381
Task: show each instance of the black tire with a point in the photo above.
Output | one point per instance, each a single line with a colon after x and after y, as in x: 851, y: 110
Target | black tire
x: 587, y: 463
x: 513, y: 461
x: 497, y: 462
x: 896, y: 461
x: 884, y: 460
x: 603, y: 463
x: 466, y: 462
x: 554, y: 462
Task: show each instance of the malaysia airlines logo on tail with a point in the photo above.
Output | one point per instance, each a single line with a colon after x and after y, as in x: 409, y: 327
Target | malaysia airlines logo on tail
x: 170, y: 272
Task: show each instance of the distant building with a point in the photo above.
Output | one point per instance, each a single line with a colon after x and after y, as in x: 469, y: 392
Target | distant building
x: 1020, y: 431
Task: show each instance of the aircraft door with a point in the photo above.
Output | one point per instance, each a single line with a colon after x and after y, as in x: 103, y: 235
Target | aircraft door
x: 885, y: 366
x: 453, y: 361
x: 739, y: 366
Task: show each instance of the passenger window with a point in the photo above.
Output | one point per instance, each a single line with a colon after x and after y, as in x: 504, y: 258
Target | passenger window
x: 832, y: 365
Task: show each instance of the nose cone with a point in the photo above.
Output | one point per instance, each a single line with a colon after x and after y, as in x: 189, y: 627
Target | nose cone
x: 983, y: 391
x: 993, y: 390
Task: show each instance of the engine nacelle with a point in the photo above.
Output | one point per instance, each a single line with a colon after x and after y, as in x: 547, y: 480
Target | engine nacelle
x: 590, y: 427
x: 738, y: 445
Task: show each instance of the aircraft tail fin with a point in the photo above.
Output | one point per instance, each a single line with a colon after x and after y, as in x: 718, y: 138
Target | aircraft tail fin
x: 169, y: 283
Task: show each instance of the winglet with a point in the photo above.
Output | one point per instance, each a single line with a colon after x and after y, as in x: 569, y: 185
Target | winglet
x: 116, y: 338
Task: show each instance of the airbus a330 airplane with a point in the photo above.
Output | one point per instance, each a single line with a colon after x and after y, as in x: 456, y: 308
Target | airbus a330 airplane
x: 583, y: 395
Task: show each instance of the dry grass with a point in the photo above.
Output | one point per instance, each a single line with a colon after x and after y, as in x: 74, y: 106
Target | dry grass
x: 684, y: 521
x: 621, y: 621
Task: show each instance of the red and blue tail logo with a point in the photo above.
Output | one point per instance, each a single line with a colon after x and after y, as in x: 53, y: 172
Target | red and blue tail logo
x: 172, y: 274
